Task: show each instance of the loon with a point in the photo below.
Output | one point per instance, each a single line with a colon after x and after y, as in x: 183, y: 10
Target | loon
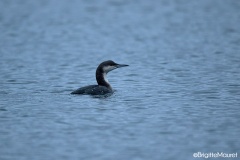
x: 103, y: 86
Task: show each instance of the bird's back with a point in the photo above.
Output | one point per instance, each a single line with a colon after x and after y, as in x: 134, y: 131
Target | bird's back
x: 93, y: 90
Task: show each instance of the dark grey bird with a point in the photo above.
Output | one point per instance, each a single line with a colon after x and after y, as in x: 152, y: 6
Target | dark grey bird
x: 103, y: 86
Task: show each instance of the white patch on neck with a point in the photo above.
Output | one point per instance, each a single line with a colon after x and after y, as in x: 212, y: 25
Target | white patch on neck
x: 105, y: 77
x: 106, y: 80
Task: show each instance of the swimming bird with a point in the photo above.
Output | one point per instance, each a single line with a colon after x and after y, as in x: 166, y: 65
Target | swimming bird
x: 103, y: 86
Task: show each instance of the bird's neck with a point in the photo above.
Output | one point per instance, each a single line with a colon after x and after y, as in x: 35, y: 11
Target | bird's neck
x: 101, y: 78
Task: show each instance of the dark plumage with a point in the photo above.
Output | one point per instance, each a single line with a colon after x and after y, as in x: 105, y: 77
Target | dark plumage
x: 103, y: 86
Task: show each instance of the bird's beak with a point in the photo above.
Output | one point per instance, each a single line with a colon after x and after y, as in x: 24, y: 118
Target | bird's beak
x: 121, y: 65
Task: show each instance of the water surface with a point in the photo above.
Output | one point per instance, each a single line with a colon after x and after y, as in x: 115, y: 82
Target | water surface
x: 180, y: 94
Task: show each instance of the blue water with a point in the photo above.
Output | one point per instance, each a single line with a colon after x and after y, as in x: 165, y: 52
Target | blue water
x: 180, y: 94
